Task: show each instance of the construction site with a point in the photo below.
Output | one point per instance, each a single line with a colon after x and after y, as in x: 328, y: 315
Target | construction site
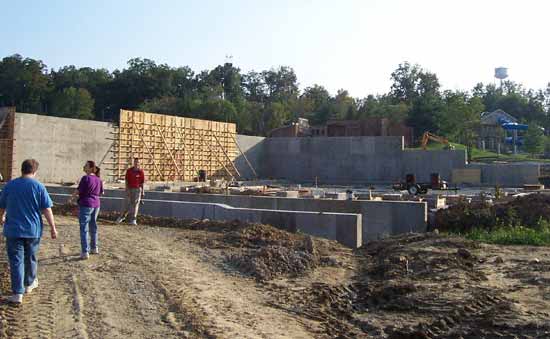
x: 276, y: 237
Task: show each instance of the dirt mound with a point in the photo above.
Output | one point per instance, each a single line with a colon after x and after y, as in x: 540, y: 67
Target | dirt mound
x: 526, y: 211
x: 266, y: 252
x: 269, y: 262
x: 261, y: 251
x: 418, y: 286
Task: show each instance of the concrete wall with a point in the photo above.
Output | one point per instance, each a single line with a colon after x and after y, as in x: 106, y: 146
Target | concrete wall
x: 335, y: 159
x: 342, y: 227
x: 252, y: 147
x: 354, y: 160
x: 423, y: 163
x: 61, y: 146
x: 509, y: 175
x: 379, y: 218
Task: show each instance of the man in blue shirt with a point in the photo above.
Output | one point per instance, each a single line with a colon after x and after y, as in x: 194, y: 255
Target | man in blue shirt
x: 22, y: 202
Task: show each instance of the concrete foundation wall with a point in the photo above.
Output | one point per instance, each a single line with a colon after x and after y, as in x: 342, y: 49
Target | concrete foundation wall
x: 252, y: 147
x: 379, y: 218
x: 354, y: 160
x: 509, y: 175
x: 342, y: 227
x: 423, y: 163
x: 61, y: 146
x: 334, y: 160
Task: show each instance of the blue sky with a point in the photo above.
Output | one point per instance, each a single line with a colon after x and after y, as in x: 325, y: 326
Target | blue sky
x: 347, y: 44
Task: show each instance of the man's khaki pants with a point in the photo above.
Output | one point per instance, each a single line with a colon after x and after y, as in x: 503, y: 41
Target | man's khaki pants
x: 131, y: 203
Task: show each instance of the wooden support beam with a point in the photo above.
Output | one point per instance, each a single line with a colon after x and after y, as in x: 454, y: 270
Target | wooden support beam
x: 167, y: 149
x: 244, y: 156
x: 221, y: 163
x: 150, y: 154
x: 227, y: 156
x: 193, y: 157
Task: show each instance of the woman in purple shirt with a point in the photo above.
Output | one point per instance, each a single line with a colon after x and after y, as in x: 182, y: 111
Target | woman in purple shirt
x: 89, y: 190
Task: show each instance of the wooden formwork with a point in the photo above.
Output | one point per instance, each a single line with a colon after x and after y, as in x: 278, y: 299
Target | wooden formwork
x: 173, y: 148
x: 7, y: 145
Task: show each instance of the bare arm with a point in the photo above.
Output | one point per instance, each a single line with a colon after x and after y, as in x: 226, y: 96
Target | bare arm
x: 51, y: 221
x: 2, y: 215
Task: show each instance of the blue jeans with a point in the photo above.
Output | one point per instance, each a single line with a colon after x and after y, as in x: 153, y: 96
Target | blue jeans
x: 88, y: 219
x: 23, y: 262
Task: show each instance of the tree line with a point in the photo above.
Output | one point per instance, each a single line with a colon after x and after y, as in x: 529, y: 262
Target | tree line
x: 259, y: 101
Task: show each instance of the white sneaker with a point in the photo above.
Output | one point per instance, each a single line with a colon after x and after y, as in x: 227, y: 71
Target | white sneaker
x: 84, y: 256
x: 32, y: 286
x: 94, y: 251
x: 133, y: 222
x: 120, y: 219
x: 15, y: 299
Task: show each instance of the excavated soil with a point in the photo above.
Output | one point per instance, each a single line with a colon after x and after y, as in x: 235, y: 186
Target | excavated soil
x: 526, y: 211
x: 198, y: 278
x: 430, y: 286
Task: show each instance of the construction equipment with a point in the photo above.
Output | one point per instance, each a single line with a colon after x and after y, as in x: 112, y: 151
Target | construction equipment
x: 416, y: 188
x: 427, y: 136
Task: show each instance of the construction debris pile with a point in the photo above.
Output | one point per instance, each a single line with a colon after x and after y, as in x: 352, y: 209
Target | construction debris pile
x: 526, y: 211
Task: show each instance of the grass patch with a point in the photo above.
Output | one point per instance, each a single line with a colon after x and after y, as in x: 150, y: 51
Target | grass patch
x: 483, y: 156
x: 512, y: 235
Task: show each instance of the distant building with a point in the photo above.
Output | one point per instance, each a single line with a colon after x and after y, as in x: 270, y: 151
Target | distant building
x: 300, y: 128
x: 492, y: 135
x: 349, y: 128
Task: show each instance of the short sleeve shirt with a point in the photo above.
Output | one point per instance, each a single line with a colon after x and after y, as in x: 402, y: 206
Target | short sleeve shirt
x: 89, y: 190
x: 135, y: 177
x: 24, y: 199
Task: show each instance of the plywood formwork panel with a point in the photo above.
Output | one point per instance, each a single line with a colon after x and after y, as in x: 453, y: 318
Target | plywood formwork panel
x: 174, y: 148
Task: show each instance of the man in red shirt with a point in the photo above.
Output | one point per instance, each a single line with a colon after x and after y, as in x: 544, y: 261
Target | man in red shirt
x: 134, y: 193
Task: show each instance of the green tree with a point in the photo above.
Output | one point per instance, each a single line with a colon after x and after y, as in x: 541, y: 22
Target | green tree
x: 276, y: 115
x: 418, y: 89
x: 382, y: 106
x: 164, y: 105
x: 534, y: 140
x: 425, y: 112
x: 73, y: 103
x: 24, y: 84
x: 281, y: 84
x: 460, y: 120
x: 405, y: 82
x: 95, y: 81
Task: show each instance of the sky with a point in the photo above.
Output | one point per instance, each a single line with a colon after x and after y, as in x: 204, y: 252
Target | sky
x: 349, y: 44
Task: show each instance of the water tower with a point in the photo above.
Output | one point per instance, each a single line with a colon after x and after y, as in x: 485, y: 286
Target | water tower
x: 501, y: 73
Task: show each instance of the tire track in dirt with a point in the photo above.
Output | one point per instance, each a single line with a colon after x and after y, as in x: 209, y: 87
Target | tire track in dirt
x: 147, y: 283
x: 229, y: 306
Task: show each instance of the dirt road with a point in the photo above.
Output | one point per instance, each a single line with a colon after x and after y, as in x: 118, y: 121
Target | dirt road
x: 205, y: 279
x: 146, y: 283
